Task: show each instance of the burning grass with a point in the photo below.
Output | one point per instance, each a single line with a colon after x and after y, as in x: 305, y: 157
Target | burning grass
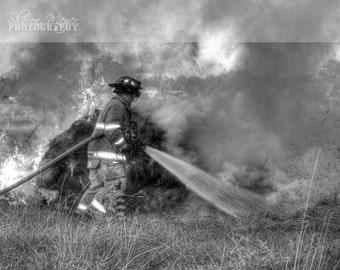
x: 38, y: 238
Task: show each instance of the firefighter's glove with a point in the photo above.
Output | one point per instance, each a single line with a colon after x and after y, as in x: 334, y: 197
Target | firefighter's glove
x: 133, y: 136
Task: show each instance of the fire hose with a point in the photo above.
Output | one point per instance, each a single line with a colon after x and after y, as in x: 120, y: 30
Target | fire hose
x: 127, y: 134
x: 50, y: 163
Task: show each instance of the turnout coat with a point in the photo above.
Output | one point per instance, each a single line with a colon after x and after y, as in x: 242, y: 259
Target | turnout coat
x: 113, y: 122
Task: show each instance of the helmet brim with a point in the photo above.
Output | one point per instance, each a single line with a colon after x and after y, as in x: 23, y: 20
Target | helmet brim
x: 118, y: 85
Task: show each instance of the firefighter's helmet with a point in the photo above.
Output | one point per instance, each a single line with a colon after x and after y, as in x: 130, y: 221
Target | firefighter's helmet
x: 127, y: 85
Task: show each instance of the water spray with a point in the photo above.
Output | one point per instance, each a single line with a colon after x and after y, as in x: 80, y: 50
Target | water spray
x: 224, y: 196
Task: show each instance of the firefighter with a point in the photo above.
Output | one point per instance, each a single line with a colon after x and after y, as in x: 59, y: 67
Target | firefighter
x: 106, y: 158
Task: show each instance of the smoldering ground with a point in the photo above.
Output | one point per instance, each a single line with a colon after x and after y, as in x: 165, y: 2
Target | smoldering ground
x: 243, y: 112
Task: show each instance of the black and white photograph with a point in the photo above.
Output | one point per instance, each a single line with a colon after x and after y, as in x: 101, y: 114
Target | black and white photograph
x: 197, y: 134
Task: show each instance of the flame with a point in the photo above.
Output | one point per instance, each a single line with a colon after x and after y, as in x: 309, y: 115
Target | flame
x: 87, y: 100
x: 17, y: 166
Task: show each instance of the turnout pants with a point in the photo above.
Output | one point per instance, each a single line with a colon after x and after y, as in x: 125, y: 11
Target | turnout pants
x: 105, y: 195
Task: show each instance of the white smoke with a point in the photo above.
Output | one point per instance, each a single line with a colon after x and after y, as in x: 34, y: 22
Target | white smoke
x: 175, y: 21
x: 220, y: 100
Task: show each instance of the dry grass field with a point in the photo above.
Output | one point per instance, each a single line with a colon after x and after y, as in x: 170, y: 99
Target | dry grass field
x: 32, y: 237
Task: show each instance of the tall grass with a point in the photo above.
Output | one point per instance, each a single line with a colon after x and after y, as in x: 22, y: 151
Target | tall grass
x: 36, y: 238
x: 302, y: 231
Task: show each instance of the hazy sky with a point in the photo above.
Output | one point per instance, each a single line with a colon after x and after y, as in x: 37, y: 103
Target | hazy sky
x: 179, y: 21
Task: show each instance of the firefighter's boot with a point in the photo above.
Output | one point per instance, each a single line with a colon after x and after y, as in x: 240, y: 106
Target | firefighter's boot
x: 120, y: 205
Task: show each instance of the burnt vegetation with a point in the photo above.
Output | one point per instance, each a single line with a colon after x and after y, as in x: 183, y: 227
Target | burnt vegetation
x: 151, y: 187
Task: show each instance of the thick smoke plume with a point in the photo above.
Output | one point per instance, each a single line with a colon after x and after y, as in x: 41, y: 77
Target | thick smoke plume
x: 248, y: 112
x: 244, y: 120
